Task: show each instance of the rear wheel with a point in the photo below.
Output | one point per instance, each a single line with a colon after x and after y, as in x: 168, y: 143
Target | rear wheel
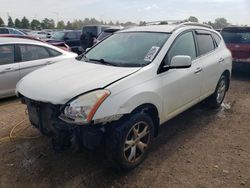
x: 218, y: 96
x: 127, y: 144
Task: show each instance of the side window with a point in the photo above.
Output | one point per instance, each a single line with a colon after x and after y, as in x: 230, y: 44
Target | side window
x: 184, y: 45
x: 71, y: 35
x: 33, y: 52
x: 217, y: 39
x: 205, y: 43
x: 53, y: 53
x: 4, y: 31
x: 6, y: 54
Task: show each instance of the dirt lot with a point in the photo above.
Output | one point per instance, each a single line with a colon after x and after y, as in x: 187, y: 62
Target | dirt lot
x: 199, y: 148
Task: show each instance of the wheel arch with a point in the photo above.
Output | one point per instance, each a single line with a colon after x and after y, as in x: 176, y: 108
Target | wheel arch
x: 152, y: 111
x: 228, y: 76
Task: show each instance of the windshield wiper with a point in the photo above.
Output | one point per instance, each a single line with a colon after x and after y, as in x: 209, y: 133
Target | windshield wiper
x: 82, y: 57
x: 102, y: 61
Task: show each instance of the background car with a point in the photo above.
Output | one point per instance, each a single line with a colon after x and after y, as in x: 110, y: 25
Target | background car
x: 61, y: 45
x: 69, y: 37
x: 40, y: 34
x: 8, y: 30
x: 238, y: 41
x: 90, y: 34
x: 18, y: 57
x: 95, y: 29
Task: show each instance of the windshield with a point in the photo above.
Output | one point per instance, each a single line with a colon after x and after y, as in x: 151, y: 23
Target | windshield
x: 104, y: 35
x: 236, y: 37
x: 128, y: 49
x: 58, y: 35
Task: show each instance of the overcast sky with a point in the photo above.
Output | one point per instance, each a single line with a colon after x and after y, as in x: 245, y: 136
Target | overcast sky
x: 236, y: 11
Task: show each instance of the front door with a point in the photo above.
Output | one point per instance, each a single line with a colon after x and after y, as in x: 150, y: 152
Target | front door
x: 181, y: 88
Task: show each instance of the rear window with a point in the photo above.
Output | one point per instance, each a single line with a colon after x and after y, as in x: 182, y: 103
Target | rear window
x: 236, y: 36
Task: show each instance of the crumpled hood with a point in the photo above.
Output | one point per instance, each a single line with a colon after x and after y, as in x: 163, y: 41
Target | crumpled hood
x: 60, y: 82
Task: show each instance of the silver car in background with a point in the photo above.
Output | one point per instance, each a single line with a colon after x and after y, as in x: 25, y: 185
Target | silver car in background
x: 18, y: 57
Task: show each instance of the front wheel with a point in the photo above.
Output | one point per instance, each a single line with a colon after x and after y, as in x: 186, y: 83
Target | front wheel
x: 127, y: 144
x: 218, y: 96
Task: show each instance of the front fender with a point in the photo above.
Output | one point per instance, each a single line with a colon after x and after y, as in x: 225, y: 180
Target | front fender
x: 124, y: 103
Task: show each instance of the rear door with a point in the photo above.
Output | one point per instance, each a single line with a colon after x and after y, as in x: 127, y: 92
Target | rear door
x: 210, y: 58
x: 33, y: 57
x: 238, y: 41
x: 9, y: 70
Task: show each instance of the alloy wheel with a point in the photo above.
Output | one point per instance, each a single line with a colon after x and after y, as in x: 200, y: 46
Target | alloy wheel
x: 136, y: 142
x: 221, y: 91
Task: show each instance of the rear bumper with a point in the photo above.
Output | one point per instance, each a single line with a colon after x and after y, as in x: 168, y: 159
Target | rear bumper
x: 44, y: 116
x: 236, y: 60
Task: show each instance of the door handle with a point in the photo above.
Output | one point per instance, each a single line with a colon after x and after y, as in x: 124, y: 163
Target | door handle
x: 221, y: 60
x: 49, y: 62
x: 198, y: 70
x: 9, y: 69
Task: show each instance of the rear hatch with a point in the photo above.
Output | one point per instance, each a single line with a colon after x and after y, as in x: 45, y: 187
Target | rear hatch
x: 237, y: 40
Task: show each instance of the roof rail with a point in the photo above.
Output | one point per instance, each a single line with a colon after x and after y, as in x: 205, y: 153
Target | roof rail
x: 165, y: 22
x: 193, y: 24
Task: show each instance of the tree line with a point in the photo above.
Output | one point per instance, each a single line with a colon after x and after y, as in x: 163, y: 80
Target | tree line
x: 47, y: 23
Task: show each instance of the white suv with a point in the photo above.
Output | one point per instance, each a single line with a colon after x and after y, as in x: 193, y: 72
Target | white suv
x: 125, y: 87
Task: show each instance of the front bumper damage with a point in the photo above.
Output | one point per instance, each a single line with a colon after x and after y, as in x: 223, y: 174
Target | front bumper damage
x: 44, y: 116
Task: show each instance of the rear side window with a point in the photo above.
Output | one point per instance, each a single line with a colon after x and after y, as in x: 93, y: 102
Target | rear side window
x: 184, y: 45
x: 6, y: 54
x: 33, y: 52
x: 205, y: 43
x: 53, y: 53
x: 217, y: 39
x: 4, y: 31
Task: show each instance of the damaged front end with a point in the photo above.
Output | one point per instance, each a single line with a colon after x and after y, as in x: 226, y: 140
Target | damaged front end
x: 45, y: 117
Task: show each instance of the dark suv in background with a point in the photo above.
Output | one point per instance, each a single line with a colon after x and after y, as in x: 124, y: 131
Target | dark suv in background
x: 237, y: 40
x: 69, y: 37
x: 90, y: 34
x: 95, y: 29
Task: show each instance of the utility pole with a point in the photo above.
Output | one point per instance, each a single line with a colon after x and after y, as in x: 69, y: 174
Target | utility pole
x: 57, y: 17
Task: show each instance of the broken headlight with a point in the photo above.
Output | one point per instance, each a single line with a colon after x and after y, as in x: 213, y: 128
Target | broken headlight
x: 82, y: 109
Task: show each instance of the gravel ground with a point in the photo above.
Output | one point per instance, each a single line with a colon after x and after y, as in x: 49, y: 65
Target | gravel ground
x: 199, y: 148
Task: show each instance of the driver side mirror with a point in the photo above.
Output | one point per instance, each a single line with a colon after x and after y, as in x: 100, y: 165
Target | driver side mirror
x: 180, y: 61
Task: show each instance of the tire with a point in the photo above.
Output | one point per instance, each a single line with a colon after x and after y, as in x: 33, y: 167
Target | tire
x: 216, y: 99
x: 128, y: 141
